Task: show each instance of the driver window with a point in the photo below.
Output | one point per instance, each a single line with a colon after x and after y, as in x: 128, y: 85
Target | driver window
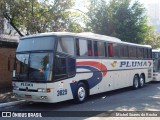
x: 61, y: 67
x: 65, y: 67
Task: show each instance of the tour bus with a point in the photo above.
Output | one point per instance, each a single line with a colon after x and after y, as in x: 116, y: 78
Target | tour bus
x: 59, y: 66
x: 156, y: 64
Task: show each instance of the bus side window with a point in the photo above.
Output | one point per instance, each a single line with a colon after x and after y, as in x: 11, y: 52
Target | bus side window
x: 101, y: 49
x: 66, y: 45
x: 145, y: 53
x: 115, y: 49
x: 82, y: 47
x: 123, y: 51
x: 77, y: 47
x: 110, y: 50
x: 140, y: 52
x: 95, y: 48
x: 106, y: 50
x: 132, y: 52
x: 149, y: 53
x: 89, y: 47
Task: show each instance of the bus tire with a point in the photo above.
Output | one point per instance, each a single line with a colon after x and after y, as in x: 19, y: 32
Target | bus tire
x: 135, y: 82
x: 80, y: 93
x: 141, y: 81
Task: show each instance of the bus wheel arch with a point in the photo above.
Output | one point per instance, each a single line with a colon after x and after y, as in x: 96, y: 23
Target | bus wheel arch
x: 81, y: 92
x: 142, y: 80
x: 136, y: 81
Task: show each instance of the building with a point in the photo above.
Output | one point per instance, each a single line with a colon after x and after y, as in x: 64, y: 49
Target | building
x: 8, y: 44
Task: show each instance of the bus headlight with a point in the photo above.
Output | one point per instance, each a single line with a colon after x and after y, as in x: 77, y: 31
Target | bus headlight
x: 15, y: 88
x: 44, y: 90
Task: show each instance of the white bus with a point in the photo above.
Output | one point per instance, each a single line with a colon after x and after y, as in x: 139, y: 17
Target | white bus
x: 59, y: 66
x: 156, y: 64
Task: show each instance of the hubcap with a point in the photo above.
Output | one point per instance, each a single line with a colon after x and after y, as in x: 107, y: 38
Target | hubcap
x: 136, y: 82
x: 141, y: 81
x: 81, y: 93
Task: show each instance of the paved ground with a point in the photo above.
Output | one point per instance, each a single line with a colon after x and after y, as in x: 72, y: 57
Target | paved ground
x: 7, y: 97
x: 145, y: 99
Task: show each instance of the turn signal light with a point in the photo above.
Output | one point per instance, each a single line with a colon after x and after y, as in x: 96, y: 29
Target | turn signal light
x: 48, y: 90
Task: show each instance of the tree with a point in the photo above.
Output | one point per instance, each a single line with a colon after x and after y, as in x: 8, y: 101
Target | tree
x: 1, y: 20
x: 153, y: 39
x: 119, y: 18
x: 33, y: 16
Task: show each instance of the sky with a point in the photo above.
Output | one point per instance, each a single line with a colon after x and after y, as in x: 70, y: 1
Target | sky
x: 145, y: 2
x: 149, y: 1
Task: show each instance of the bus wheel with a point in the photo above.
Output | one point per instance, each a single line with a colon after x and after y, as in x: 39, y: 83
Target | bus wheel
x: 81, y: 93
x: 141, y: 81
x: 135, y: 82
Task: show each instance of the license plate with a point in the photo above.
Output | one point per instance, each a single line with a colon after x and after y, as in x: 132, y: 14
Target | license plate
x: 28, y: 96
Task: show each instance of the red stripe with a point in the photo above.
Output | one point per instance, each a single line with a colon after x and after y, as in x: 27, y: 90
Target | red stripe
x: 97, y: 65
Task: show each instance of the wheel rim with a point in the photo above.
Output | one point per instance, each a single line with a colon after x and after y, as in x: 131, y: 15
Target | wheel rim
x: 141, y: 81
x: 81, y: 93
x: 136, y: 82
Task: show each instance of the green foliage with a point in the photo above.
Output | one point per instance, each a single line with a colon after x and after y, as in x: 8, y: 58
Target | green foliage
x: 153, y: 39
x: 119, y: 18
x: 36, y: 16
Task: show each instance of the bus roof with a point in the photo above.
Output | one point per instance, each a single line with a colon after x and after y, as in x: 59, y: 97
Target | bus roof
x: 156, y: 50
x: 88, y: 35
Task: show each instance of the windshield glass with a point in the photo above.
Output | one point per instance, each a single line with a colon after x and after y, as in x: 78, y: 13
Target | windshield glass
x: 36, y: 43
x: 34, y: 66
x: 155, y: 55
x: 22, y: 65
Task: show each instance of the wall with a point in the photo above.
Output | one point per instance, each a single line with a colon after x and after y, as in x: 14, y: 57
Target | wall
x: 6, y: 66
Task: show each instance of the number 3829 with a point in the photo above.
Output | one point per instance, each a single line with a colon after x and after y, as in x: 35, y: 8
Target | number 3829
x: 61, y: 92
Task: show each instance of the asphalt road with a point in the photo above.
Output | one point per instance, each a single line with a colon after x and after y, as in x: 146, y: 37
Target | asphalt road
x: 144, y: 99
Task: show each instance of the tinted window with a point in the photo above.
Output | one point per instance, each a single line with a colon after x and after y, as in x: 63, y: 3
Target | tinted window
x: 149, y: 53
x: 124, y: 51
x: 155, y: 55
x: 83, y: 49
x: 110, y: 50
x: 60, y: 67
x: 140, y: 52
x: 95, y: 48
x: 66, y: 45
x: 36, y: 43
x: 132, y: 52
x: 71, y: 66
x: 64, y: 67
x: 101, y: 50
x: 34, y: 66
x: 89, y: 47
x: 106, y: 49
x: 145, y: 53
x: 115, y: 50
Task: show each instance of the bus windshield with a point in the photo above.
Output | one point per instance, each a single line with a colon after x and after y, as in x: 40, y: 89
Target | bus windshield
x: 36, y: 43
x: 155, y: 55
x: 34, y: 59
x: 34, y: 66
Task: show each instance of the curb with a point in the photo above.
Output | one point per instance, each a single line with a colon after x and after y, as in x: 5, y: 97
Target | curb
x: 11, y: 103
